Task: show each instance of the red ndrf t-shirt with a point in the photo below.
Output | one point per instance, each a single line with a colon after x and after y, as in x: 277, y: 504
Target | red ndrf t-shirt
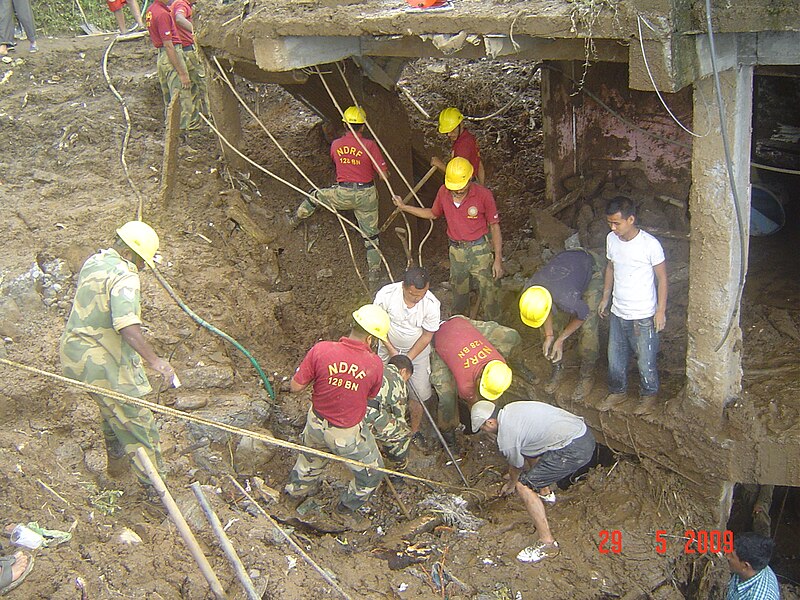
x: 182, y: 7
x: 160, y: 25
x: 466, y: 146
x: 465, y: 352
x: 353, y: 164
x: 345, y: 374
x: 471, y: 219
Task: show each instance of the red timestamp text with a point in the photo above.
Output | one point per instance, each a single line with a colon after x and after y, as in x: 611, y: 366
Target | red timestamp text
x: 699, y: 541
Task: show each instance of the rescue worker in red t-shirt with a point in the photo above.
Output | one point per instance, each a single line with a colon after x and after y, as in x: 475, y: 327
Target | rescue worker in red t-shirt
x: 471, y: 214
x: 171, y: 66
x: 464, y: 143
x: 469, y: 362
x: 345, y: 375
x: 358, y: 160
x: 182, y: 13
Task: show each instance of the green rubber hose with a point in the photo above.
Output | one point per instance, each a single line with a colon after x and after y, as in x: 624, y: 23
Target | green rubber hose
x: 200, y: 321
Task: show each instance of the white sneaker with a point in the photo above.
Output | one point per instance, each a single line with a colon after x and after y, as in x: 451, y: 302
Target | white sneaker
x: 538, y: 552
x: 549, y: 498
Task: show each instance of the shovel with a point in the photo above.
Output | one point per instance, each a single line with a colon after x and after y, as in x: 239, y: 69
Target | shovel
x: 402, y: 235
x: 408, y: 197
x: 88, y: 28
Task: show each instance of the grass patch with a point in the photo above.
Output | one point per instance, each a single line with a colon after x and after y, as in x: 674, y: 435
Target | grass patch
x: 60, y: 17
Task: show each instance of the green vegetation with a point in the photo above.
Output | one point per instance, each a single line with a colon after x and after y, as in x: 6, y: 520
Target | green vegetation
x: 63, y: 17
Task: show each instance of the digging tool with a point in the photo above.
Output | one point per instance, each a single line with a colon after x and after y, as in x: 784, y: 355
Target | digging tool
x: 86, y: 27
x: 408, y: 197
x: 180, y: 523
x: 439, y: 435
x: 402, y: 235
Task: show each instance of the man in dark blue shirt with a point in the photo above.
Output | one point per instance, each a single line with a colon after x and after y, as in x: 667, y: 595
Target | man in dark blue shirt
x: 571, y: 286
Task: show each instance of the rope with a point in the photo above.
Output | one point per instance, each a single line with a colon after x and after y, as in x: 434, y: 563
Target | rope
x: 297, y: 189
x: 776, y: 169
x: 172, y: 412
x: 297, y: 168
x: 127, y: 136
x: 197, y: 319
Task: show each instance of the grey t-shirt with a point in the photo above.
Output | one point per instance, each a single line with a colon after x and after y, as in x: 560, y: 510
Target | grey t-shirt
x: 529, y: 429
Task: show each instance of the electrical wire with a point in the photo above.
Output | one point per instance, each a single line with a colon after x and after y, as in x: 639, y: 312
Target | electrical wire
x: 639, y: 21
x: 732, y: 181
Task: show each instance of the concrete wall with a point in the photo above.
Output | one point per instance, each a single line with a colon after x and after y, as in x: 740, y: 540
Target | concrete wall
x: 581, y: 136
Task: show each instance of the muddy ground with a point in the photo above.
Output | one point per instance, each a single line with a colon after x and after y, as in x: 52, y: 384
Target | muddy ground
x: 63, y: 193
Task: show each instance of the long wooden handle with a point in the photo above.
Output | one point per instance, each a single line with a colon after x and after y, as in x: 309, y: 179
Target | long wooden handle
x: 408, y: 197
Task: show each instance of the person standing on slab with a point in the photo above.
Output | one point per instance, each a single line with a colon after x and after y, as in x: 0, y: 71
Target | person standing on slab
x: 637, y: 274
x: 543, y: 444
x: 115, y: 6
x: 182, y: 11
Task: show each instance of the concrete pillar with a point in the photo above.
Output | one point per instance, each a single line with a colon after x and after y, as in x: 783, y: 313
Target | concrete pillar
x: 225, y: 110
x: 714, y: 375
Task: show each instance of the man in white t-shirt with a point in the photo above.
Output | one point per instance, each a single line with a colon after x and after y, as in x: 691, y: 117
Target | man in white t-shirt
x: 637, y: 273
x: 414, y: 316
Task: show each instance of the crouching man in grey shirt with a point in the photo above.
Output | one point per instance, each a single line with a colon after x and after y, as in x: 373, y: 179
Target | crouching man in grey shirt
x: 554, y: 441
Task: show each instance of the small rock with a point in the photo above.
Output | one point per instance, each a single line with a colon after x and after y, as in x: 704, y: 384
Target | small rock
x: 208, y: 376
x: 127, y: 537
x: 190, y: 402
x: 324, y: 274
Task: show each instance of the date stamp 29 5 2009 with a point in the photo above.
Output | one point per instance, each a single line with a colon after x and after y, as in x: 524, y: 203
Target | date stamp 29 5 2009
x: 700, y: 541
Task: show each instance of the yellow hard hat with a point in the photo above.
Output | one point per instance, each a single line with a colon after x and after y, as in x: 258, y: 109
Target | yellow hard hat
x: 449, y: 119
x: 495, y: 379
x: 374, y: 320
x: 458, y: 173
x: 355, y: 115
x: 479, y: 413
x: 535, y: 305
x: 141, y: 238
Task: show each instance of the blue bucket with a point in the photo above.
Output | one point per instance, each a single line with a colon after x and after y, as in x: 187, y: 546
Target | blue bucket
x: 766, y: 212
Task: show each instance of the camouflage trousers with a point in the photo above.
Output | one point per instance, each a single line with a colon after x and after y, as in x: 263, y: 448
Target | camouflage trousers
x: 171, y: 86
x: 356, y: 443
x: 364, y: 203
x: 589, y: 333
x: 392, y: 432
x: 127, y: 427
x: 199, y: 91
x: 505, y: 339
x: 474, y: 263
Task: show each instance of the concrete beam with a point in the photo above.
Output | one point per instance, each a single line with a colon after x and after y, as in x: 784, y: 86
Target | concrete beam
x: 669, y: 61
x: 714, y: 375
x: 778, y: 48
x: 295, y: 52
x: 494, y: 46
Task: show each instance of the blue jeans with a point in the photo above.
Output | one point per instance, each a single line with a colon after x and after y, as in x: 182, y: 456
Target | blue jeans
x: 639, y: 336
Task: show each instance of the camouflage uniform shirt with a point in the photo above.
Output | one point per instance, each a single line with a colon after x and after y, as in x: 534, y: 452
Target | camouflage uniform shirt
x: 107, y: 300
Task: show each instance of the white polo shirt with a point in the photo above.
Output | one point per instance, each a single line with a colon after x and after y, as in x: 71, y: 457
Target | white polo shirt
x: 406, y: 324
x: 634, y: 279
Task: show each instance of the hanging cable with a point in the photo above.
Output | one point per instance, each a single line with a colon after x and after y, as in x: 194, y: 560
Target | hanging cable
x: 732, y: 181
x: 639, y: 21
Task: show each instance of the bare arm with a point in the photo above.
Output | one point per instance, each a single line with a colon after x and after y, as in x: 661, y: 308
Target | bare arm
x: 133, y: 335
x: 608, y: 285
x: 295, y: 387
x: 184, y: 23
x: 497, y: 245
x: 481, y: 173
x: 661, y: 281
x: 420, y: 345
x: 558, y: 346
x: 513, y: 478
x: 417, y: 211
x: 178, y: 63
